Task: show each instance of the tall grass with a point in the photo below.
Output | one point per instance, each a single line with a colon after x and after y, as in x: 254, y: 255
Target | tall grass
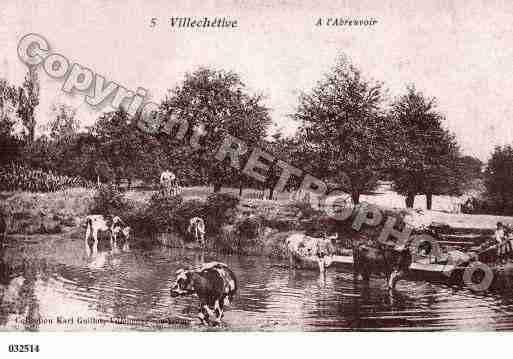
x: 15, y: 177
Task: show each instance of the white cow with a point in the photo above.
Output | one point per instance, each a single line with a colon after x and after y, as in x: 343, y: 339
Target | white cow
x: 119, y: 230
x: 97, y: 224
x: 197, y: 229
x: 166, y: 178
x: 169, y: 183
x: 311, y: 249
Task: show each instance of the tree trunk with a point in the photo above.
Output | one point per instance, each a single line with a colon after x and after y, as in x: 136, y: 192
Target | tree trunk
x: 217, y: 187
x: 355, y: 195
x: 129, y: 185
x: 31, y: 131
x: 241, y: 185
x: 271, y: 193
x: 429, y: 200
x: 410, y: 199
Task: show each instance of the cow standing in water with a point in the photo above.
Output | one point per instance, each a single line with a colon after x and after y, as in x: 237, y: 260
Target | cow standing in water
x: 214, y: 284
x: 393, y: 261
x: 119, y: 232
x: 303, y: 247
x: 168, y: 184
x: 196, y: 229
x: 98, y: 225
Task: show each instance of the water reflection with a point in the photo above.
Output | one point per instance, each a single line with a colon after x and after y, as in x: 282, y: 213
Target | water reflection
x: 115, y: 287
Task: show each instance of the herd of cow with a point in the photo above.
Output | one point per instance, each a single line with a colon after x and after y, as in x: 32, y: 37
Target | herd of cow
x: 215, y: 284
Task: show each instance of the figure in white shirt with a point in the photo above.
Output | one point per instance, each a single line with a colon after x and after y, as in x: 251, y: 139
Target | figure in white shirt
x: 499, y: 232
x: 503, y: 238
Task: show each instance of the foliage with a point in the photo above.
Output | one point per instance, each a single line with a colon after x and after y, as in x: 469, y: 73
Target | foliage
x: 217, y: 102
x: 15, y: 177
x: 250, y: 227
x: 10, y: 144
x: 28, y: 99
x: 283, y: 149
x: 424, y: 156
x: 499, y: 178
x: 219, y: 210
x: 123, y: 150
x: 172, y: 214
x: 342, y: 129
x: 108, y: 200
x: 64, y: 124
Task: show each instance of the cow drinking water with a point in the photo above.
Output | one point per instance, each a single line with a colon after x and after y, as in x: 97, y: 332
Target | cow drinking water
x: 98, y: 226
x: 196, y: 229
x: 119, y: 232
x: 214, y: 284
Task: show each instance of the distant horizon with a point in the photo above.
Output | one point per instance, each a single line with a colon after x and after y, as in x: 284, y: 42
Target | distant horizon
x: 446, y: 51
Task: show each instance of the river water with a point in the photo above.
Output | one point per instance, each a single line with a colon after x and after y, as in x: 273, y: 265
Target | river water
x: 53, y: 284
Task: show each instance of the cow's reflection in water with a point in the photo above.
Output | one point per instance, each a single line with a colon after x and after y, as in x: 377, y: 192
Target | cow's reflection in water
x: 104, y: 251
x: 120, y: 245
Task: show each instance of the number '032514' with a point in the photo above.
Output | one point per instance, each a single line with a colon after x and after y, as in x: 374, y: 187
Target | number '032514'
x: 23, y: 348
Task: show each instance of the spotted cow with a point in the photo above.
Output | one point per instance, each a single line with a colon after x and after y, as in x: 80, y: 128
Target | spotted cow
x: 196, y: 229
x: 303, y: 248
x: 215, y: 285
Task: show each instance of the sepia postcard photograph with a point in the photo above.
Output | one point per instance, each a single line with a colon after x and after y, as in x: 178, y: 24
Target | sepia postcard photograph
x: 255, y: 166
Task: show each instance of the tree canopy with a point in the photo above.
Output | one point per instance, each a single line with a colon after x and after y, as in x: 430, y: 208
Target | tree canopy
x: 424, y: 156
x: 219, y: 103
x: 342, y: 128
x: 499, y: 179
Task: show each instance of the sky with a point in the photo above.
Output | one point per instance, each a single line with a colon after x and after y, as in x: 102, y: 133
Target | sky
x: 460, y: 52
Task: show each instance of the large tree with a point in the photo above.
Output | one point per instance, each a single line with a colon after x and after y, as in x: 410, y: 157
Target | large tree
x: 64, y: 123
x: 342, y: 129
x: 499, y: 179
x: 10, y: 145
x: 219, y: 103
x: 425, y: 157
x: 123, y: 150
x: 28, y: 99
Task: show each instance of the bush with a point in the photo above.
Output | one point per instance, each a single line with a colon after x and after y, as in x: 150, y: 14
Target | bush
x: 108, y: 200
x: 250, y: 227
x: 161, y: 212
x: 172, y: 214
x: 219, y: 210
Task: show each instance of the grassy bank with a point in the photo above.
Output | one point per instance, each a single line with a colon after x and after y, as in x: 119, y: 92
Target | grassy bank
x: 253, y: 226
x: 249, y: 226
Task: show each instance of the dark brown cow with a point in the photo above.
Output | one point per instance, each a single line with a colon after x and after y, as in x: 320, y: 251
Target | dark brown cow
x: 393, y: 261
